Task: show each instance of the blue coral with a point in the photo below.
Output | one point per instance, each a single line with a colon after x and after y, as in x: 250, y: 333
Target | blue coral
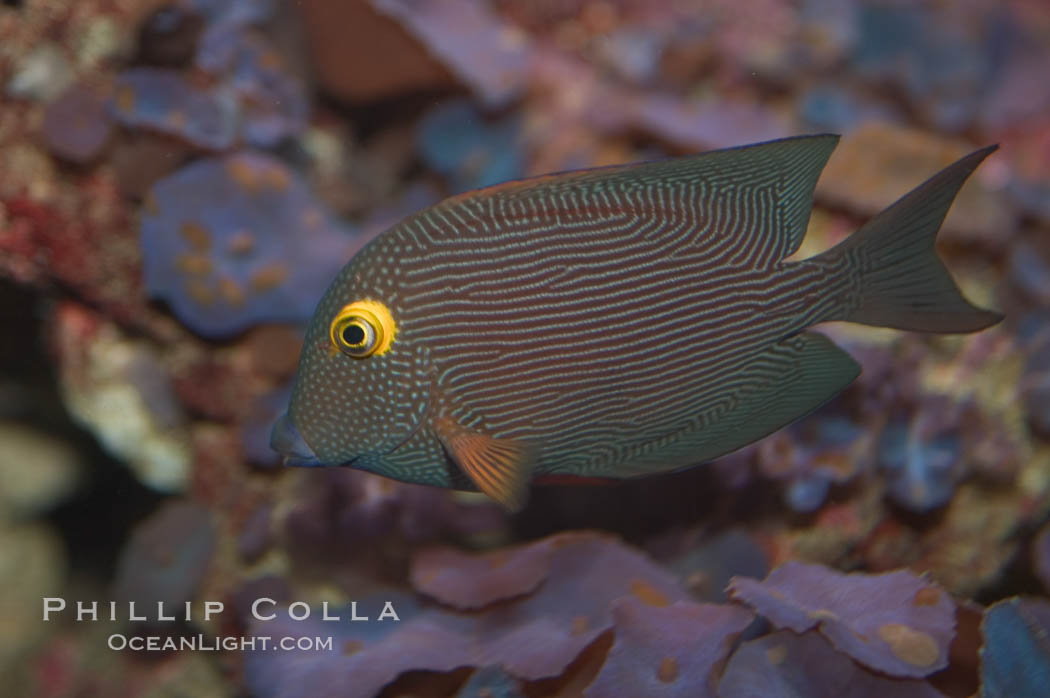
x: 935, y: 62
x: 922, y: 472
x: 834, y: 108
x: 456, y: 140
x: 236, y: 241
x: 807, y: 493
x: 1015, y: 660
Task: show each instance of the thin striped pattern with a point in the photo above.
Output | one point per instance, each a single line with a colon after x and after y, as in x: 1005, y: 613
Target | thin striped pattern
x: 610, y: 318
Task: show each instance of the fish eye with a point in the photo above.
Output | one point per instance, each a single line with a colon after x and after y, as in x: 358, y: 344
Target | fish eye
x: 362, y: 329
x: 356, y: 334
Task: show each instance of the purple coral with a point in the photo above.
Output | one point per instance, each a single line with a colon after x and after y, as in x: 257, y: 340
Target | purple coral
x: 77, y: 125
x: 167, y: 556
x: 364, y: 656
x: 569, y: 610
x: 896, y: 623
x: 254, y: 98
x: 236, y: 241
x: 473, y: 581
x: 166, y: 101
x: 592, y: 584
x: 706, y: 569
x: 668, y: 651
x: 785, y: 665
x: 812, y: 455
x: 273, y: 102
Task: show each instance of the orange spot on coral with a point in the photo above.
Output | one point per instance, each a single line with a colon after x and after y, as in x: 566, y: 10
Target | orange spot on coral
x: 497, y: 559
x: 193, y: 264
x: 822, y: 614
x: 927, y: 596
x: 196, y: 235
x: 698, y: 582
x: 668, y: 671
x: 268, y: 277
x: 910, y: 645
x: 177, y: 118
x: 270, y: 59
x: 276, y: 178
x: 125, y: 99
x: 649, y: 594
x: 580, y: 625
x: 231, y: 292
x: 312, y: 218
x: 164, y: 555
x: 241, y: 243
x: 244, y: 175
x: 777, y: 654
x: 200, y: 292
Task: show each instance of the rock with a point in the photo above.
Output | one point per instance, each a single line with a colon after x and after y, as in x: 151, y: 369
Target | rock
x: 31, y: 567
x: 36, y: 470
x: 41, y: 75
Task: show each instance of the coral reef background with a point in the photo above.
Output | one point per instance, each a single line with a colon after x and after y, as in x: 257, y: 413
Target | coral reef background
x: 179, y: 181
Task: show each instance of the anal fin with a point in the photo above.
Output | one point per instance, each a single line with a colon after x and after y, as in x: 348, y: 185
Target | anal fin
x: 501, y: 468
x: 786, y: 382
x: 791, y: 379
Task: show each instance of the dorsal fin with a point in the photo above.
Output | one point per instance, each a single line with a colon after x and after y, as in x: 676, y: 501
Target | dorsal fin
x: 763, y: 191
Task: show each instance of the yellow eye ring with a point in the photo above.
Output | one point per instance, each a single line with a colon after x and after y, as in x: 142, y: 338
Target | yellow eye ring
x: 362, y: 329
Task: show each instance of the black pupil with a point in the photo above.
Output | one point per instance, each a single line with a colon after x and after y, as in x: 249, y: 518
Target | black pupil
x: 353, y: 335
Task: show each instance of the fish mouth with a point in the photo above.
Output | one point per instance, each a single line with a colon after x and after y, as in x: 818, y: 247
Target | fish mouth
x: 286, y: 440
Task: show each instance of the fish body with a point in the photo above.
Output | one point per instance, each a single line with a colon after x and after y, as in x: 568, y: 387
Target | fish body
x: 607, y: 323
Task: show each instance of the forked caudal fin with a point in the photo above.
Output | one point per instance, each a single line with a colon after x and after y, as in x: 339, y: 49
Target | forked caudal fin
x: 903, y: 284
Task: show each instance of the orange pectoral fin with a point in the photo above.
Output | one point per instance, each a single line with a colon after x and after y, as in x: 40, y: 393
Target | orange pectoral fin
x: 501, y: 468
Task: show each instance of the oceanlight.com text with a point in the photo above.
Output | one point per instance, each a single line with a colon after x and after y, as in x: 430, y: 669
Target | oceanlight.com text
x: 231, y: 643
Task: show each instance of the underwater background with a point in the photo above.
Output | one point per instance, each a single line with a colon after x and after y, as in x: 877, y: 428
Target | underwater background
x: 893, y: 543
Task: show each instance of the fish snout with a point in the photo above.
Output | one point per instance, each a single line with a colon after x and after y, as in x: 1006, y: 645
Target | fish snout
x: 286, y: 440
